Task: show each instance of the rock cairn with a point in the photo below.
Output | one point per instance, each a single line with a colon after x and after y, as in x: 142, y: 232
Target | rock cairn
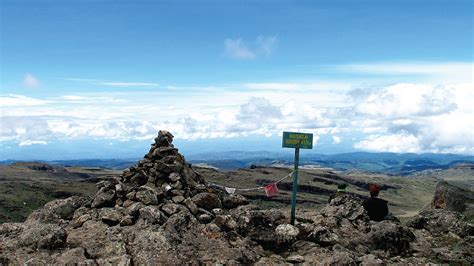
x: 158, y: 186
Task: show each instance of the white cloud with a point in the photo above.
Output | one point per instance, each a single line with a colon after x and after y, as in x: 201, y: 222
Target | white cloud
x: 11, y: 100
x: 236, y: 48
x: 30, y: 81
x: 128, y: 84
x: 302, y: 87
x: 239, y: 49
x: 390, y: 143
x: 72, y: 98
x: 273, y: 86
x: 418, y: 118
x: 336, y: 140
x: 401, y: 117
x: 407, y: 100
x: 113, y: 83
x: 266, y: 44
x: 32, y: 142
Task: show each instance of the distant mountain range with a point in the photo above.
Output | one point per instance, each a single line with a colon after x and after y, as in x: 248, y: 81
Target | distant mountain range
x: 390, y: 163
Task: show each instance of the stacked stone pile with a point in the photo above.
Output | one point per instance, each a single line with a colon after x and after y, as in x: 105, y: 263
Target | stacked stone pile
x: 160, y: 185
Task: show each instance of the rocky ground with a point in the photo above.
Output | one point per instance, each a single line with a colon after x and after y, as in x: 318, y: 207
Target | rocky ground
x: 160, y: 211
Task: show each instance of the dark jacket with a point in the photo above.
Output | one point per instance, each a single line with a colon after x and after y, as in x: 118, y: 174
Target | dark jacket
x: 376, y: 208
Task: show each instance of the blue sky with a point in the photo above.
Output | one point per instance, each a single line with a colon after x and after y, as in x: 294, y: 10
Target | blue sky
x: 368, y: 75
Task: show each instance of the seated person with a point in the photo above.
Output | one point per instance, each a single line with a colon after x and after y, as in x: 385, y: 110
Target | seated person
x: 375, y: 207
x: 341, y: 190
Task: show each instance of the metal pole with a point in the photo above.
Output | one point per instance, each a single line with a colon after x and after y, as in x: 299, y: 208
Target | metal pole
x: 295, y: 185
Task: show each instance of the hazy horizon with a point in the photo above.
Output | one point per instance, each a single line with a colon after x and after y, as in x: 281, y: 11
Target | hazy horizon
x: 88, y: 79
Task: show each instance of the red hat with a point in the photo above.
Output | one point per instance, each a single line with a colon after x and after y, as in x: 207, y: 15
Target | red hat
x: 374, y: 188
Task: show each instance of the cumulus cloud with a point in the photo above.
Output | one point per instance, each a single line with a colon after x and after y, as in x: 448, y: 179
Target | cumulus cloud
x: 407, y: 100
x: 239, y: 49
x: 390, y: 143
x: 30, y: 81
x: 398, y: 118
x: 417, y: 118
x: 256, y: 116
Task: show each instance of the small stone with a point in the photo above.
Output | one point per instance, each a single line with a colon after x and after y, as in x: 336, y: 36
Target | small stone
x: 323, y: 236
x: 151, y: 214
x: 170, y: 208
x: 134, y: 209
x: 225, y: 221
x: 105, y: 197
x: 217, y: 211
x: 169, y: 159
x: 139, y: 179
x: 295, y: 259
x: 127, y: 203
x: 287, y: 231
x: 177, y: 199
x: 177, y: 192
x: 191, y: 206
x: 81, y: 219
x: 166, y: 187
x: 204, y: 218
x: 119, y: 202
x: 174, y: 177
x: 234, y: 201
x: 371, y: 260
x: 110, y: 216
x: 147, y: 195
x: 212, y: 227
x: 176, y: 185
x: 124, y: 260
x: 118, y: 188
x: 131, y: 195
x: 207, y: 201
x: 164, y: 138
x: 127, y: 221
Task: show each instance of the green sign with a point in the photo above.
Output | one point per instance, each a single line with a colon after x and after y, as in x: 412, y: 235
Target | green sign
x: 297, y: 140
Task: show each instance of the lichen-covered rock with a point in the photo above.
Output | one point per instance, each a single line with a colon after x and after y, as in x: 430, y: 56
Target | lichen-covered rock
x: 452, y: 198
x: 42, y: 236
x: 151, y: 214
x: 105, y: 197
x: 234, y: 201
x: 148, y: 195
x: 346, y: 207
x: 207, y: 201
x: 225, y: 221
x: 440, y: 222
x: 390, y: 237
x: 110, y: 216
x: 171, y: 208
x: 323, y: 236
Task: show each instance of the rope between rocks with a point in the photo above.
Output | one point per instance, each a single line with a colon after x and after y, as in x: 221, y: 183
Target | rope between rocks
x: 209, y: 184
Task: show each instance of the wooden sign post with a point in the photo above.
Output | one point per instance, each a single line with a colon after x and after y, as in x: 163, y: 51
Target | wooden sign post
x: 297, y: 141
